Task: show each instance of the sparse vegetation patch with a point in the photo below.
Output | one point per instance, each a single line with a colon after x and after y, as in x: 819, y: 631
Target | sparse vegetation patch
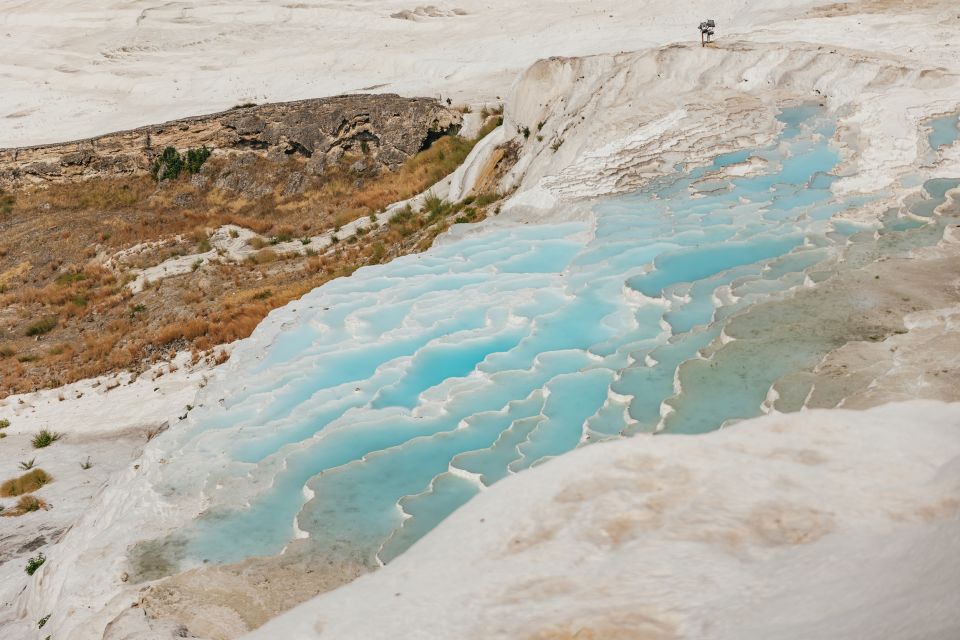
x: 26, y: 504
x: 45, y: 438
x: 42, y: 326
x: 27, y: 483
x: 35, y: 563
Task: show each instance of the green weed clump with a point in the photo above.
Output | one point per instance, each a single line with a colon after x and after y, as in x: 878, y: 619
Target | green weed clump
x: 45, y: 438
x: 35, y: 563
x: 195, y: 159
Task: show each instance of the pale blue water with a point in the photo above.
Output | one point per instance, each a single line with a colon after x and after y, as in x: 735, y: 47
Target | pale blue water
x: 396, y: 394
x: 944, y: 131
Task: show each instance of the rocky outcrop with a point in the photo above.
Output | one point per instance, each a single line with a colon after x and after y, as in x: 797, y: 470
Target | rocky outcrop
x: 387, y: 129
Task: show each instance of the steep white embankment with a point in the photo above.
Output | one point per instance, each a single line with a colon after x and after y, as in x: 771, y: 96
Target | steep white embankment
x: 605, y: 124
x: 822, y: 524
x: 105, y: 422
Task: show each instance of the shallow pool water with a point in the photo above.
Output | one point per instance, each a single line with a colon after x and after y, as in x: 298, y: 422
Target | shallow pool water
x: 944, y: 131
x: 359, y: 417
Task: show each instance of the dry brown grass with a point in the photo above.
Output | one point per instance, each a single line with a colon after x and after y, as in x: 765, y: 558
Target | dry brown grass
x: 103, y: 195
x: 25, y: 504
x: 55, y: 240
x: 27, y: 483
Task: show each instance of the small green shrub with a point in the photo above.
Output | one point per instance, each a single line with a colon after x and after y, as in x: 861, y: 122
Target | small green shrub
x: 42, y: 326
x: 35, y: 563
x: 26, y: 465
x: 86, y: 464
x: 195, y: 158
x: 45, y: 438
x: 42, y: 621
x: 4, y: 423
x: 167, y: 166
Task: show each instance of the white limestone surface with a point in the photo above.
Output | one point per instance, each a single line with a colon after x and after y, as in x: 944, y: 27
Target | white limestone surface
x: 820, y: 524
x: 80, y: 69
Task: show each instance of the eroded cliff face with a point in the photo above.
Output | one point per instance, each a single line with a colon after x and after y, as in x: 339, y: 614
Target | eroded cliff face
x: 386, y: 129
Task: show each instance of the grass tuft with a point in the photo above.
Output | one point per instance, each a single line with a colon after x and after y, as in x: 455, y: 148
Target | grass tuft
x: 45, y: 438
x: 42, y: 326
x: 26, y: 504
x: 27, y: 483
